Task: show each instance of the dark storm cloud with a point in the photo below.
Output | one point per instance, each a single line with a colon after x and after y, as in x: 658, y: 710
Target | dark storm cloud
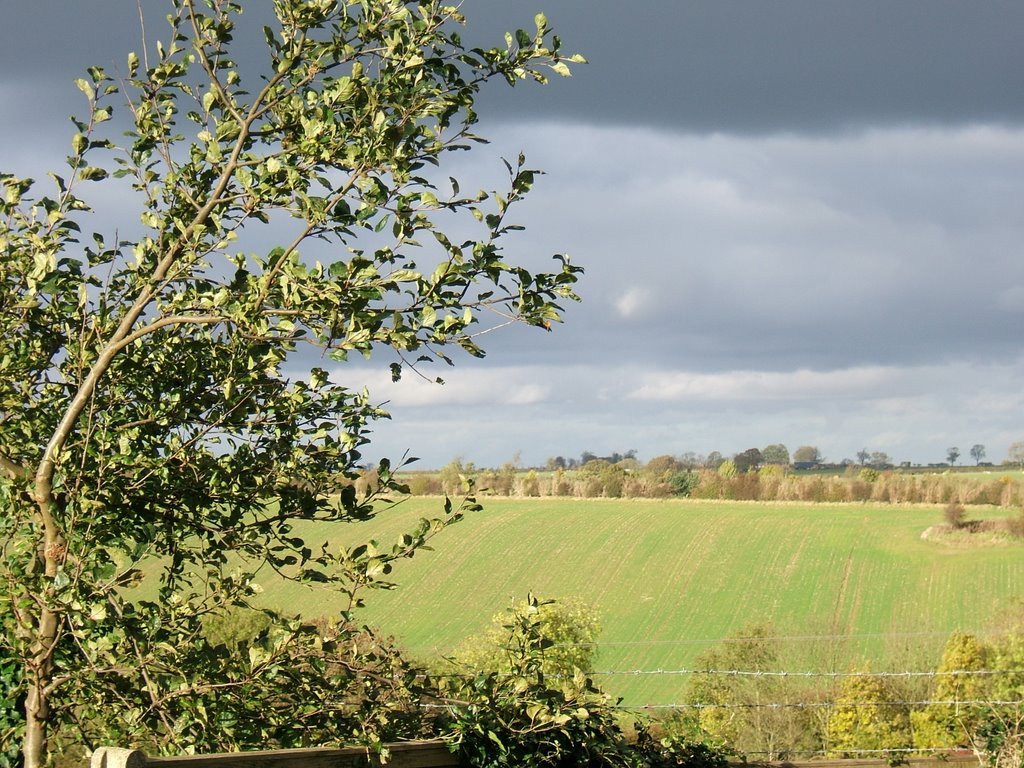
x: 734, y: 65
x: 698, y: 65
x: 800, y: 222
x: 900, y: 246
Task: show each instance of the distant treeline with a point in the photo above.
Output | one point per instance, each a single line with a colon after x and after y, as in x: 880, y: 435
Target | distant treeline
x: 664, y: 478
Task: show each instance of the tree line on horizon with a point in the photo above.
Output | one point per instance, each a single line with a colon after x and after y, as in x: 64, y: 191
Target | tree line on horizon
x: 731, y: 479
x: 804, y: 457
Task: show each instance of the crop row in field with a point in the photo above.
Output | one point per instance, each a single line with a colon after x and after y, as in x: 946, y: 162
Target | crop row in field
x: 846, y: 583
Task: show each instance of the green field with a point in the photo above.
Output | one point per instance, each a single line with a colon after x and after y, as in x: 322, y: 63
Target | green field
x: 844, y: 582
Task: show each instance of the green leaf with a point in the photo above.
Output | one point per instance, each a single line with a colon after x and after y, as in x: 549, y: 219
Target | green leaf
x: 86, y: 87
x: 405, y: 276
x: 561, y: 68
x: 92, y: 173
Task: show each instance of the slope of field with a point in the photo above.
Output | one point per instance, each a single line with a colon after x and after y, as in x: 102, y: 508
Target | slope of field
x: 844, y: 582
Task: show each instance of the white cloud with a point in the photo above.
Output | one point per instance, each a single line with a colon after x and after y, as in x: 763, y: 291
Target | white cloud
x: 767, y: 385
x: 632, y: 302
x: 465, y: 386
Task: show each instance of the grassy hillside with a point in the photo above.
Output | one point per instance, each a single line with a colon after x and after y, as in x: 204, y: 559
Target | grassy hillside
x: 846, y: 582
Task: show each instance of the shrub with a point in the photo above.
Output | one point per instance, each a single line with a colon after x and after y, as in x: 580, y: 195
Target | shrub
x: 674, y: 749
x: 949, y: 725
x: 744, y: 487
x: 814, y: 490
x: 853, y: 726
x: 531, y: 485
x: 955, y: 515
x: 1015, y: 525
x: 523, y: 716
x: 868, y: 475
x: 12, y: 717
x: 860, y: 490
x: 725, y: 716
x: 683, y: 483
x: 612, y: 480
x: 570, y: 628
x: 526, y: 701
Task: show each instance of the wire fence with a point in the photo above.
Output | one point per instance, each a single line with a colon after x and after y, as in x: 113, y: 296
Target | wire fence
x: 825, y: 704
x: 819, y: 693
x: 829, y: 703
x: 809, y: 674
x: 755, y: 673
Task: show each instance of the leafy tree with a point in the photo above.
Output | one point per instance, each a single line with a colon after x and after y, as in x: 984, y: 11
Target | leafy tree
x: 866, y: 716
x: 155, y: 415
x: 514, y: 712
x: 953, y: 719
x: 748, y: 460
x: 457, y: 476
x: 569, y: 626
x: 661, y: 466
x: 977, y: 452
x: 526, y: 713
x: 1000, y: 730
x: 684, y: 483
x: 952, y: 454
x: 556, y: 462
x: 776, y: 453
x: 742, y: 711
x: 807, y: 453
x: 714, y: 460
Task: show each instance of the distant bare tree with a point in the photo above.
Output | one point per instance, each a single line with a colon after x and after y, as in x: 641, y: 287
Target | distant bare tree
x: 977, y: 452
x: 879, y: 460
x: 1015, y: 453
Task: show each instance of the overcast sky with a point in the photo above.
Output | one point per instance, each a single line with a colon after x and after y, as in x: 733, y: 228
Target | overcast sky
x: 801, y: 222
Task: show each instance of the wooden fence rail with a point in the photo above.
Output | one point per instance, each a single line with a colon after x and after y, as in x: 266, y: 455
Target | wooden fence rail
x: 414, y: 754
x: 427, y: 754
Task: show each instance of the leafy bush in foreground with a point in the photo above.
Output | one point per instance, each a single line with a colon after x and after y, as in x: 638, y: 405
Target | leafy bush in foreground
x: 524, y: 717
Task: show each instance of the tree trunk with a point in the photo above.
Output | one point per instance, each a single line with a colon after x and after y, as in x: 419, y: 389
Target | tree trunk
x: 36, y: 743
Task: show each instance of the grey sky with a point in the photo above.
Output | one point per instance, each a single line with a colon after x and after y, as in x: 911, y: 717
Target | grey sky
x: 801, y: 223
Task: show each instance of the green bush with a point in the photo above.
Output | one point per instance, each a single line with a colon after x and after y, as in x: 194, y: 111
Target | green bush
x: 12, y: 716
x: 868, y: 475
x: 521, y: 716
x: 725, y: 717
x: 955, y: 515
x: 530, y: 713
x: 852, y: 726
x: 683, y: 483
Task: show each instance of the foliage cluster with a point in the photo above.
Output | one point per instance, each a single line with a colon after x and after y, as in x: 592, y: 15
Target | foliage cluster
x: 12, y: 716
x: 569, y: 627
x: 156, y: 406
x: 974, y: 701
x: 525, y: 699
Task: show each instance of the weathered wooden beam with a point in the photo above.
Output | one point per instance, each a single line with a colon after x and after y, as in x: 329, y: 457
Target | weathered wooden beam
x: 422, y: 754
x: 430, y: 754
x: 952, y: 761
